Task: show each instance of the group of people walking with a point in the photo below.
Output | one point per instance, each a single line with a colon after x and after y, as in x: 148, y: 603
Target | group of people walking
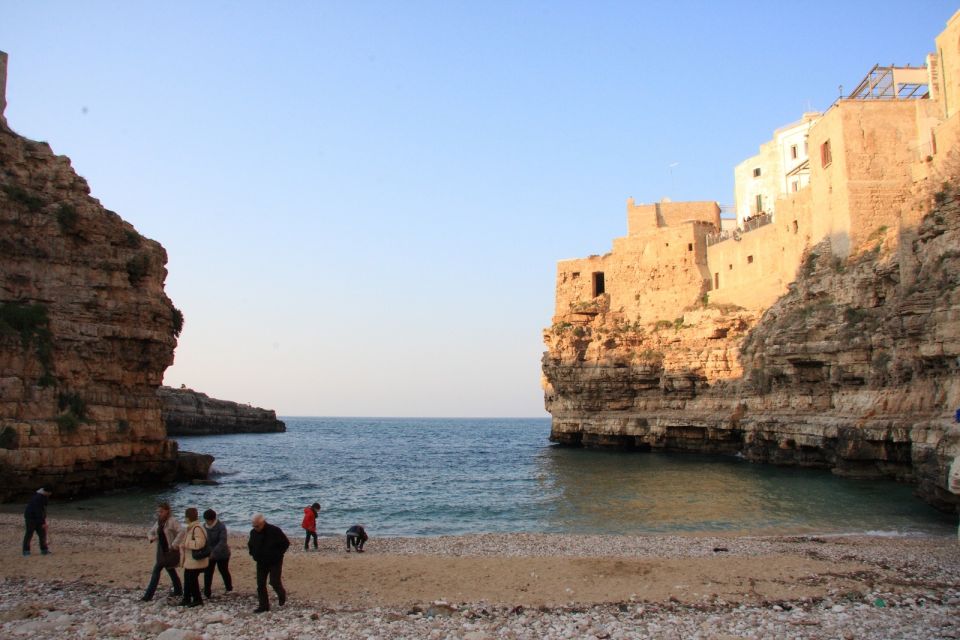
x: 203, y: 548
x: 195, y: 548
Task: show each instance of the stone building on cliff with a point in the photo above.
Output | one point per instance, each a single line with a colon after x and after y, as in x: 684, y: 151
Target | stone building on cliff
x: 824, y: 331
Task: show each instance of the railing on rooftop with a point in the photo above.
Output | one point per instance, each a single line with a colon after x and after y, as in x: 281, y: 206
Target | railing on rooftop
x: 750, y: 224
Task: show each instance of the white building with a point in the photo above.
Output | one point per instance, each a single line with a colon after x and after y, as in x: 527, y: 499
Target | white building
x: 782, y: 167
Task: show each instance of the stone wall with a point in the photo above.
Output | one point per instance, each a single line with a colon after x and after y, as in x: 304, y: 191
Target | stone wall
x: 190, y: 413
x: 643, y: 218
x: 86, y: 332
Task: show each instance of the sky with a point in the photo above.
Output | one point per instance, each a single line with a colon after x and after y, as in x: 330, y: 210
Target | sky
x: 363, y: 203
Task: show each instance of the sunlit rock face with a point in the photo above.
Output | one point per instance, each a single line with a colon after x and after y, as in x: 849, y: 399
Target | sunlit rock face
x: 856, y: 368
x: 86, y: 332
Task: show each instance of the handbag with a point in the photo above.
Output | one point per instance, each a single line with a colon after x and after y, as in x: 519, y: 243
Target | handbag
x: 170, y: 559
x: 202, y: 552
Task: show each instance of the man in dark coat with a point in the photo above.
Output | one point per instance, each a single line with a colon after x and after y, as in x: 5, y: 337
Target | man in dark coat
x: 35, y: 521
x: 267, y: 545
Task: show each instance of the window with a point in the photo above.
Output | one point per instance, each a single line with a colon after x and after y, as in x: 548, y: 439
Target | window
x: 689, y: 246
x: 826, y: 156
x: 731, y: 267
x: 716, y: 281
x: 749, y: 259
x: 793, y: 151
x: 759, y: 203
x: 756, y: 172
x: 575, y: 275
x: 796, y: 227
x: 933, y: 143
x: 794, y: 186
x: 598, y: 284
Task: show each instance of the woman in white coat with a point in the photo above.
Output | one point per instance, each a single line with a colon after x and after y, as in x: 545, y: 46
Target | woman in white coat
x: 193, y: 538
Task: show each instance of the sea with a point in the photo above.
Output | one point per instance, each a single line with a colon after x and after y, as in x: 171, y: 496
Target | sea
x: 437, y: 476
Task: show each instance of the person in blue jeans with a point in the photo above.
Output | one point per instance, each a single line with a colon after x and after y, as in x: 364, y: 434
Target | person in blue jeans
x: 165, y: 532
x: 35, y: 520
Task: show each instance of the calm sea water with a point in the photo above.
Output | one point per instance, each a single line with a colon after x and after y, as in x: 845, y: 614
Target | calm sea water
x: 455, y: 476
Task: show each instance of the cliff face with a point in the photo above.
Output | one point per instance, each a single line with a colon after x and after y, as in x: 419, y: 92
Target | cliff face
x: 856, y: 369
x: 190, y: 413
x: 86, y: 333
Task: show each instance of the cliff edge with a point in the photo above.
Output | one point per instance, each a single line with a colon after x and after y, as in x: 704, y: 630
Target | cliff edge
x: 86, y: 332
x: 856, y: 368
x: 190, y: 413
x: 821, y: 328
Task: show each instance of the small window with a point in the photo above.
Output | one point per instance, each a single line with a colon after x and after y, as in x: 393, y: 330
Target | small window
x: 666, y: 244
x: 756, y: 172
x: 716, y: 281
x: 796, y: 227
x: 794, y: 186
x: 749, y: 259
x: 793, y: 151
x: 730, y: 267
x: 575, y: 275
x: 826, y: 155
x: 598, y: 284
x: 759, y: 204
x: 933, y: 143
x: 689, y: 246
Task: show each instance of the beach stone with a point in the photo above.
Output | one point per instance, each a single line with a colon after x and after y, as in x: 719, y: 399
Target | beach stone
x: 179, y: 634
x: 154, y: 626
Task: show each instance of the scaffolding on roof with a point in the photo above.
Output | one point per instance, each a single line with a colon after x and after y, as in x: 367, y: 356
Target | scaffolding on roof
x: 893, y: 83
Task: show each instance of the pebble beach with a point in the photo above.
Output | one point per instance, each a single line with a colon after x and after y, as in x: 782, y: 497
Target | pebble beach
x: 499, y: 586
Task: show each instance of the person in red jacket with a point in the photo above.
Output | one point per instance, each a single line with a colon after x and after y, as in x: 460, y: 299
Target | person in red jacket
x: 309, y: 524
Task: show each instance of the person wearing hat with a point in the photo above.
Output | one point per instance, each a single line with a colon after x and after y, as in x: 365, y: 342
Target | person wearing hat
x: 35, y: 520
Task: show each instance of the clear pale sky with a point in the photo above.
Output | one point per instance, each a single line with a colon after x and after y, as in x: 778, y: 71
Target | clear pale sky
x: 363, y: 203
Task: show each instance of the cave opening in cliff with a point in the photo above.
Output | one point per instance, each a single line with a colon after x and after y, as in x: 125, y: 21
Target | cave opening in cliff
x: 598, y: 285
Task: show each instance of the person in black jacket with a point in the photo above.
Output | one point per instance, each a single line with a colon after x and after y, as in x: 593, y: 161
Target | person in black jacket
x: 267, y: 545
x: 35, y: 521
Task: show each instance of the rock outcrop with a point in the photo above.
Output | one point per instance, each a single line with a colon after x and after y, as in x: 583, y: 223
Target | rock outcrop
x: 856, y: 369
x: 190, y: 413
x: 86, y: 332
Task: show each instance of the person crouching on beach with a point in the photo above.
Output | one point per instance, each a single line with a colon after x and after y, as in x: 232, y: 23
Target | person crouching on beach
x: 267, y: 545
x: 356, y: 536
x: 193, y: 543
x: 35, y: 521
x: 164, y: 532
x: 309, y: 524
x: 219, y: 552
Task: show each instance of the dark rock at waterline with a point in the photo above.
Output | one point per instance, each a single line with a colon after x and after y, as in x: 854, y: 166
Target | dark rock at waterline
x: 190, y: 413
x: 194, y: 467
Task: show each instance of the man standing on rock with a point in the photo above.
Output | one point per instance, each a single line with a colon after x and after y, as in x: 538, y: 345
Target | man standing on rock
x: 35, y: 520
x: 267, y: 545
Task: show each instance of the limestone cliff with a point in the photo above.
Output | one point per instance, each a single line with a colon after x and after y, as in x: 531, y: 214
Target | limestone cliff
x: 190, y: 413
x: 856, y: 369
x: 86, y: 332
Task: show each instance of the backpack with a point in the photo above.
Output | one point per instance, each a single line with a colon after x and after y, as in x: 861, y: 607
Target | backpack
x: 204, y: 551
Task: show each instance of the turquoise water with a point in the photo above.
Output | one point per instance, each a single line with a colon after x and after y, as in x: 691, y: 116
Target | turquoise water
x: 456, y: 476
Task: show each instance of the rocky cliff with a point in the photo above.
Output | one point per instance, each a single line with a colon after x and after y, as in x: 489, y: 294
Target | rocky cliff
x: 856, y: 369
x: 86, y: 332
x: 189, y: 413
